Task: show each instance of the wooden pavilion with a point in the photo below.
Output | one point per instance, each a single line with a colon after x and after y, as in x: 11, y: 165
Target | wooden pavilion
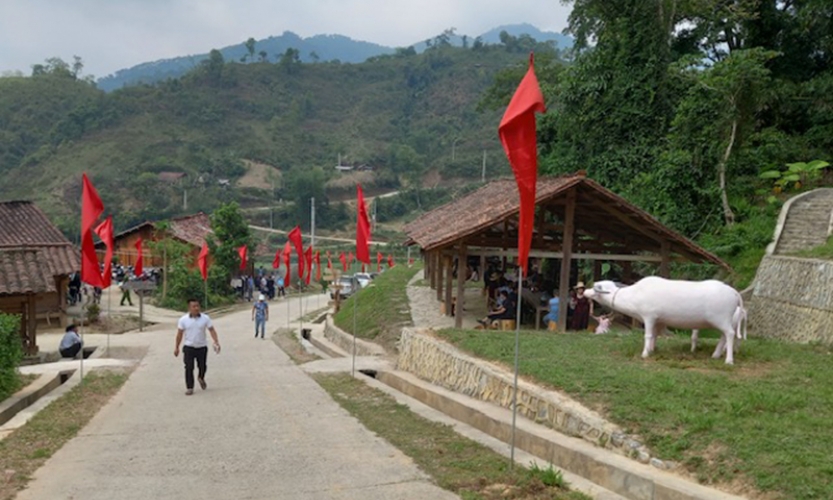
x: 576, y: 219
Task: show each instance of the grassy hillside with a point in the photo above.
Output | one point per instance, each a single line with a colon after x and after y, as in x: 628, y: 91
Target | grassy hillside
x: 405, y: 115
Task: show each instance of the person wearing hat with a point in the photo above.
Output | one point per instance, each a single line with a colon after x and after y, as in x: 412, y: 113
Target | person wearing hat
x: 260, y: 315
x: 581, y: 310
x: 71, y: 343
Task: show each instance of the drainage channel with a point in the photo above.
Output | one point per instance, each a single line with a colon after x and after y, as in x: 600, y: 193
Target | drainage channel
x: 31, y: 394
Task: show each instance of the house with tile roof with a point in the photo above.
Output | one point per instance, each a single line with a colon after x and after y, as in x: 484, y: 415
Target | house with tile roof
x: 36, y: 261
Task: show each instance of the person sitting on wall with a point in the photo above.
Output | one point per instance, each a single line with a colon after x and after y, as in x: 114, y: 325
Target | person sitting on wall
x: 71, y: 344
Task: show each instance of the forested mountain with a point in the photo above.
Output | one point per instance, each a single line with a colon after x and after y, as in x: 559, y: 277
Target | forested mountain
x: 318, y: 48
x: 403, y: 114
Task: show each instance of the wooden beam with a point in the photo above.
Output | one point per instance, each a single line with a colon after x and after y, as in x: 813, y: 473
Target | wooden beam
x: 627, y: 221
x: 566, y: 260
x: 461, y: 287
x: 449, y: 274
x: 497, y: 252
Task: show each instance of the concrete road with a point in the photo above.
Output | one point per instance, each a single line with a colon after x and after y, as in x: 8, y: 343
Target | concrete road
x: 262, y: 430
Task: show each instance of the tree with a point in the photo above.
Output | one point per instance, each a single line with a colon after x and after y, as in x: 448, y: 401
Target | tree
x: 250, y: 47
x: 213, y: 66
x: 263, y: 55
x: 723, y: 107
x: 290, y: 61
x: 231, y: 231
x: 304, y: 184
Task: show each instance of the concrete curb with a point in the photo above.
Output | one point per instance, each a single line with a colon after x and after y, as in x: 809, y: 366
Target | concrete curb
x: 610, y: 471
x: 27, y: 396
x: 344, y: 340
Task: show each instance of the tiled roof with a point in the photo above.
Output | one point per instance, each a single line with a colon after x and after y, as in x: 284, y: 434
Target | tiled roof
x: 497, y: 201
x: 22, y: 224
x: 192, y: 228
x: 32, y: 250
x: 21, y: 272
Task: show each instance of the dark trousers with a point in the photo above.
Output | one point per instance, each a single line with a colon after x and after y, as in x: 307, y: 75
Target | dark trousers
x: 71, y: 351
x: 189, y: 354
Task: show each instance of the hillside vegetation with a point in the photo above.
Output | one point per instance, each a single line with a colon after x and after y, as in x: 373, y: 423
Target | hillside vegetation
x: 404, y: 115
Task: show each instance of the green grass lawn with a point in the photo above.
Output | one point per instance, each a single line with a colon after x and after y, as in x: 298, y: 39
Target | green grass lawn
x: 764, y: 421
x: 382, y: 308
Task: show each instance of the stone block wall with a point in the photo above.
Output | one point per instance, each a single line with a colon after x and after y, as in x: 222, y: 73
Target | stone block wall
x: 440, y: 363
x: 793, y: 300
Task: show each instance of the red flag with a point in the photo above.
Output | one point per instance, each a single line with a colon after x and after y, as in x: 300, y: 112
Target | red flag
x: 329, y: 260
x: 343, y: 260
x: 138, y: 269
x: 411, y: 261
x: 242, y: 252
x: 317, y: 265
x: 362, y: 228
x: 350, y: 259
x: 390, y: 261
x: 91, y: 208
x: 379, y: 258
x: 517, y: 133
x: 105, y: 232
x: 297, y: 241
x: 308, y: 261
x: 276, y: 262
x: 202, y: 261
x: 287, y: 251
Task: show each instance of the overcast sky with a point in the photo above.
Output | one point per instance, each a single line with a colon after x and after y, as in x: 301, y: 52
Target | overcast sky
x: 115, y: 34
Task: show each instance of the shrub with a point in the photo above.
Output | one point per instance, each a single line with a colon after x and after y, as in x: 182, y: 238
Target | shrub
x: 93, y: 313
x: 11, y: 352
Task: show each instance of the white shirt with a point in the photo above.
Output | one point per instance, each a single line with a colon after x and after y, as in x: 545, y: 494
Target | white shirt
x: 194, y: 329
x: 70, y: 339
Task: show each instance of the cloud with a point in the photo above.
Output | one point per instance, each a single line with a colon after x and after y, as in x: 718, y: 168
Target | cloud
x: 110, y: 35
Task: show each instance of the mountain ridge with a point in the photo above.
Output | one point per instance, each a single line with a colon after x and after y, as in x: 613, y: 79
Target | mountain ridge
x: 316, y: 48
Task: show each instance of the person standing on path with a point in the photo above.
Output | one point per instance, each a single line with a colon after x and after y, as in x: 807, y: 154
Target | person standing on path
x: 192, y: 326
x: 260, y: 315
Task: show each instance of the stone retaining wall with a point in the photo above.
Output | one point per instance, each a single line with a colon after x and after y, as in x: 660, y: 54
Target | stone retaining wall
x: 344, y: 340
x: 442, y: 364
x: 793, y: 300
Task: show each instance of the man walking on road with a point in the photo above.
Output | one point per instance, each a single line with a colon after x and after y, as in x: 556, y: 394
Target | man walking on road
x: 195, y: 348
x: 260, y: 315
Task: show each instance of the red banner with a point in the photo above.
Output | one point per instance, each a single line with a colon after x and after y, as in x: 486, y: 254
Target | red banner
x: 91, y: 209
x: 105, y: 232
x: 202, y: 261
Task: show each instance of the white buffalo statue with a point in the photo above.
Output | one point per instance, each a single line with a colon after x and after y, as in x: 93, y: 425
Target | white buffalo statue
x: 661, y: 304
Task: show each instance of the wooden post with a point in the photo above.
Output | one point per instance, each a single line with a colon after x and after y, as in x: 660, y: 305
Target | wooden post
x: 597, y: 270
x: 461, y: 287
x: 428, y: 271
x: 449, y: 275
x: 32, y: 327
x: 439, y: 278
x: 566, y: 261
x: 665, y: 254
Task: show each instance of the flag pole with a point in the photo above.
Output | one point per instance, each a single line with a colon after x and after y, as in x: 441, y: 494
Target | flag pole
x: 82, y: 340
x: 355, y: 301
x: 515, y: 384
x: 109, y: 293
x: 205, y: 282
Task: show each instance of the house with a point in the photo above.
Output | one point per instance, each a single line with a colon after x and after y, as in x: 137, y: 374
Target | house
x: 171, y: 177
x: 36, y: 261
x: 190, y: 229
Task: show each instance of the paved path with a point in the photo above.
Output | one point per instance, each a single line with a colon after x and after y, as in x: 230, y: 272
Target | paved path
x: 263, y: 429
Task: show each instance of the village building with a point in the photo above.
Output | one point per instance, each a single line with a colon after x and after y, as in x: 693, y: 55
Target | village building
x: 577, y: 219
x: 36, y: 261
x: 191, y: 230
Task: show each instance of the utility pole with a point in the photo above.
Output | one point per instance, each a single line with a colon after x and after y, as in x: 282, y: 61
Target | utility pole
x: 184, y: 199
x: 483, y: 171
x: 270, y: 218
x: 373, y: 219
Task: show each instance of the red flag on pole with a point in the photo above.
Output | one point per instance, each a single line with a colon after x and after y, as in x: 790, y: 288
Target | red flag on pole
x: 379, y: 258
x: 276, y: 262
x: 91, y: 208
x: 362, y: 228
x: 202, y: 261
x: 517, y: 133
x: 138, y: 269
x: 287, y: 251
x: 343, y: 259
x: 317, y: 265
x: 308, y: 262
x: 242, y: 252
x: 350, y: 259
x: 298, y: 242
x: 105, y: 232
x: 390, y: 261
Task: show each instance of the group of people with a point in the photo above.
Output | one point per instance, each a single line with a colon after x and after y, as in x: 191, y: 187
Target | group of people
x: 502, y: 286
x: 268, y: 285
